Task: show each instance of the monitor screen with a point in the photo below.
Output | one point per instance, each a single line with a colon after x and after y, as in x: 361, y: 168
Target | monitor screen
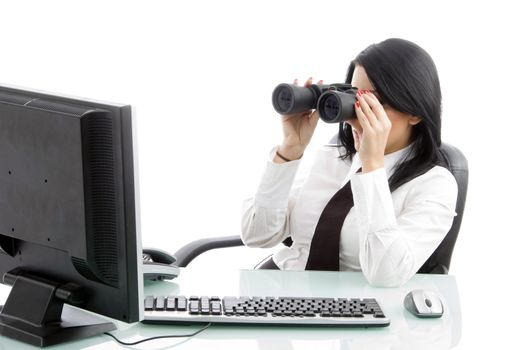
x: 68, y: 207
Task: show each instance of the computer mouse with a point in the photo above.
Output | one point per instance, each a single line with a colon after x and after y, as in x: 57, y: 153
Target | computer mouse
x: 423, y: 303
x: 158, y: 265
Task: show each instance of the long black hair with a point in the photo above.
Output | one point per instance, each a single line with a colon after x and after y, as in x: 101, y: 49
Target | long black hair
x: 405, y: 77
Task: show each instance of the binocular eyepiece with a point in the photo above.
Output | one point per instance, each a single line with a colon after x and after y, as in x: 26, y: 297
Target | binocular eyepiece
x: 334, y: 102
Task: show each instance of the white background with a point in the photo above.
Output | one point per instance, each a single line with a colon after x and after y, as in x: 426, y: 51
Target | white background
x: 200, y: 75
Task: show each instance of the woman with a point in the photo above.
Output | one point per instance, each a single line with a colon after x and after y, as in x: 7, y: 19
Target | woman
x: 400, y: 199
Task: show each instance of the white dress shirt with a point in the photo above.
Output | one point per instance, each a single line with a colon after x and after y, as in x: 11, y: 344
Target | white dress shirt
x: 388, y: 236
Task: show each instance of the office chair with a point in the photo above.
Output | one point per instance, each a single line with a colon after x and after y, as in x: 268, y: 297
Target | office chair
x: 438, y: 262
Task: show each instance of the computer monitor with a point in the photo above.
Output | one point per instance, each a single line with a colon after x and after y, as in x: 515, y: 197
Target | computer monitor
x: 68, y: 217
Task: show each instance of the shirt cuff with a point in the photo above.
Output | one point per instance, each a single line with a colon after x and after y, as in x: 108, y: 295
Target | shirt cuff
x: 274, y: 188
x: 373, y: 200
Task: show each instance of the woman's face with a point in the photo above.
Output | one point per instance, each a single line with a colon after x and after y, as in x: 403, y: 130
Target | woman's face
x: 401, y: 123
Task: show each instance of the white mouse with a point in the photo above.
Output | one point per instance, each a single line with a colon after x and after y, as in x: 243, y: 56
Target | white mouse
x: 423, y: 303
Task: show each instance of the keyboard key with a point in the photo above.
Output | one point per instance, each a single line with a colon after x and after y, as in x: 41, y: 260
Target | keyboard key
x: 181, y: 303
x: 261, y: 312
x: 170, y: 304
x: 205, y: 302
x: 148, y: 303
x: 194, y: 306
x: 229, y: 302
x: 159, y: 304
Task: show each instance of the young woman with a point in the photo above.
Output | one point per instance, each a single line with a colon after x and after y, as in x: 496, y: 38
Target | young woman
x: 381, y: 200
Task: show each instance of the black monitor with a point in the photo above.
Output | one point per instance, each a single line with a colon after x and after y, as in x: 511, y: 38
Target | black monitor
x: 68, y: 217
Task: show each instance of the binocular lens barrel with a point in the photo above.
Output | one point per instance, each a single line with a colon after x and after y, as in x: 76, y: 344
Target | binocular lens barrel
x: 334, y: 102
x: 290, y: 98
x: 337, y: 106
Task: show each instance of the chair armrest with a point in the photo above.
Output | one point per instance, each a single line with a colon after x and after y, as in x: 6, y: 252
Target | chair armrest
x: 440, y: 269
x: 191, y: 250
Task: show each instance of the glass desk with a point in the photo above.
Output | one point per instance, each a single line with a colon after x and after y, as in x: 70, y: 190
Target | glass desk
x: 405, y: 331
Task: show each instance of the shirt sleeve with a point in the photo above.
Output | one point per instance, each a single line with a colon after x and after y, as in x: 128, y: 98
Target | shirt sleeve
x: 265, y: 217
x: 392, y: 248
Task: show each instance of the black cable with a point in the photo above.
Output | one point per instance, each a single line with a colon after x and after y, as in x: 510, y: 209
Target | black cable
x: 159, y: 337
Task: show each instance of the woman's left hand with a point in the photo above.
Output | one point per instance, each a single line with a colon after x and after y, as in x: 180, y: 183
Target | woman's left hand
x: 376, y: 127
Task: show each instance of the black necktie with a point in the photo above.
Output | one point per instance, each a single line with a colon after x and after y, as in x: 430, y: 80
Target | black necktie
x: 325, y: 246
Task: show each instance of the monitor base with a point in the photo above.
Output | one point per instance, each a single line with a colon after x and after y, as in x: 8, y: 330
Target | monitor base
x: 75, y: 324
x: 35, y: 313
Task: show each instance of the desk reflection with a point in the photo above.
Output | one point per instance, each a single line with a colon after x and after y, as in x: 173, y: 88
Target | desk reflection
x: 405, y: 331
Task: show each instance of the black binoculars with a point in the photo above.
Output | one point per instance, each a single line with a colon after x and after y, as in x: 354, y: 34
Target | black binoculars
x: 334, y: 102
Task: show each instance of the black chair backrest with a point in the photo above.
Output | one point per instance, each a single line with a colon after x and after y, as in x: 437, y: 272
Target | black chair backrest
x: 457, y: 163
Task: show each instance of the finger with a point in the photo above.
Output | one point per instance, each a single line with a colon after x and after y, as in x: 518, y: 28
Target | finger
x: 362, y: 119
x: 375, y: 96
x: 372, y: 95
x: 308, y: 82
x: 305, y: 114
x: 370, y: 115
x: 357, y: 140
x: 377, y: 108
x: 314, y: 117
x: 372, y: 101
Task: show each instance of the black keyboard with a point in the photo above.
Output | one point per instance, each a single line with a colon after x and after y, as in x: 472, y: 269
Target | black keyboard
x: 265, y: 310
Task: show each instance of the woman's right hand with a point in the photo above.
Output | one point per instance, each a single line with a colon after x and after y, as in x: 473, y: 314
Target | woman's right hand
x: 298, y: 129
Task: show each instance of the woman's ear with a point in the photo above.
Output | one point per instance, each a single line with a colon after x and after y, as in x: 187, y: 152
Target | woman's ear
x: 413, y: 120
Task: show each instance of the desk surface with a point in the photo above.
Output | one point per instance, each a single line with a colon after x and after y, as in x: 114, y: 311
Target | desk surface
x: 405, y: 331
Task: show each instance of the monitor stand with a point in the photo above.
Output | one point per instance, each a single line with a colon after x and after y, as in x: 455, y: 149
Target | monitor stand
x: 34, y: 312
